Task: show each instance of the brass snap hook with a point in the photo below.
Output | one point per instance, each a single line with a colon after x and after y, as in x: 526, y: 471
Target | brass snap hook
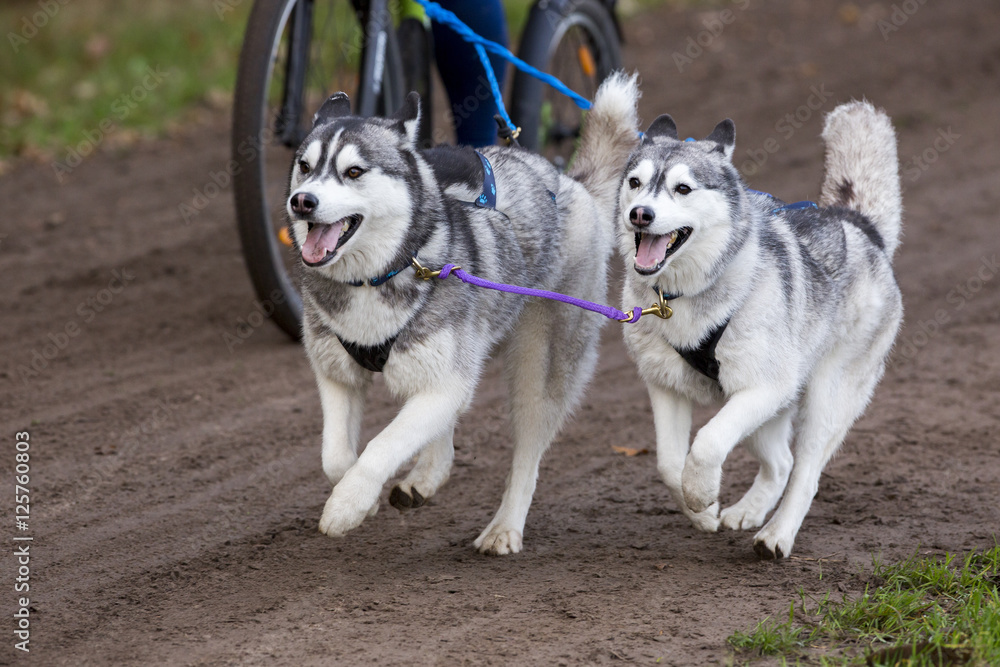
x: 423, y: 272
x: 660, y: 309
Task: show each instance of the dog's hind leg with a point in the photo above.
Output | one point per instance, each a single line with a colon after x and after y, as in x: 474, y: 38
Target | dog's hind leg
x: 835, y: 397
x: 550, y: 358
x: 771, y: 445
x: 430, y: 472
x: 343, y: 407
x: 672, y: 420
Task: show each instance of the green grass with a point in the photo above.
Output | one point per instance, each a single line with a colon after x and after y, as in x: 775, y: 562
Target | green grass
x: 922, y: 611
x: 85, y: 64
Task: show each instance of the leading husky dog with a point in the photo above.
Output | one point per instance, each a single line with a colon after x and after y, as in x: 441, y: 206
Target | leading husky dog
x: 364, y: 202
x: 784, y: 314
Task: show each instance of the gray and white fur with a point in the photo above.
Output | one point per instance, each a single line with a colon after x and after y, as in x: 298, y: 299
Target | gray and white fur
x: 811, y: 303
x: 374, y: 200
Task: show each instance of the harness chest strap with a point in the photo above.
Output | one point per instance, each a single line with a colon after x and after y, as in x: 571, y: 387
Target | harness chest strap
x: 370, y: 357
x: 702, y: 358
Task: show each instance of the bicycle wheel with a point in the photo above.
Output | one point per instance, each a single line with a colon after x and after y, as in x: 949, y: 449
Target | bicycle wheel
x: 577, y: 42
x: 295, y: 54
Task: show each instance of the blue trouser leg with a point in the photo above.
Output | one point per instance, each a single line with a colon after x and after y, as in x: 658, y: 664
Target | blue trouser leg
x: 472, y: 104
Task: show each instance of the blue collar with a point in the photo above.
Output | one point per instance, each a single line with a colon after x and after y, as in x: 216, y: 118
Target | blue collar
x: 378, y: 280
x: 666, y: 296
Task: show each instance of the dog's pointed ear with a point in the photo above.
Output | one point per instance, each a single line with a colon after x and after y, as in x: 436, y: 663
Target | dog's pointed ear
x: 336, y: 105
x: 663, y: 126
x: 724, y: 135
x: 408, y: 118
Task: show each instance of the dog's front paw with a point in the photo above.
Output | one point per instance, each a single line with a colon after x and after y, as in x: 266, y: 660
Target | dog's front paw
x: 347, y: 507
x: 700, y: 484
x: 498, y: 541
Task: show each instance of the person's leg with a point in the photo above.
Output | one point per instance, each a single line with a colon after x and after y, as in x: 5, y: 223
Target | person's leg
x: 468, y: 89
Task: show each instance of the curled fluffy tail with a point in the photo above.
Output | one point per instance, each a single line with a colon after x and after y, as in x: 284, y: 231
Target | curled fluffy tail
x: 862, y: 169
x: 610, y: 133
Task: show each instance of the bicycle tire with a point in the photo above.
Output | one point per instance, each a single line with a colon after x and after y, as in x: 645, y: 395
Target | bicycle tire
x: 551, y: 23
x: 258, y: 177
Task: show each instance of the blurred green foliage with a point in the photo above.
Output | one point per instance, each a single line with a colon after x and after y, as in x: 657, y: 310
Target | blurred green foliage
x: 75, y: 68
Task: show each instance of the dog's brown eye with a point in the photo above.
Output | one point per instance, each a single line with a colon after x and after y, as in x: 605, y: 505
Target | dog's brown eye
x: 304, y: 167
x: 634, y: 183
x: 682, y: 189
x: 354, y: 172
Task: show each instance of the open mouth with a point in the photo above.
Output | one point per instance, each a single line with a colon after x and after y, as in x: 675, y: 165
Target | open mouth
x: 323, y: 239
x: 652, y: 250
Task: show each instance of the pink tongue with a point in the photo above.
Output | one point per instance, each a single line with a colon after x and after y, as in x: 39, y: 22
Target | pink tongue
x: 320, y: 239
x: 651, y: 250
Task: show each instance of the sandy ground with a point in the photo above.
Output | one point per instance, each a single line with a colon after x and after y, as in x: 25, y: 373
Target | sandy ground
x: 175, y: 477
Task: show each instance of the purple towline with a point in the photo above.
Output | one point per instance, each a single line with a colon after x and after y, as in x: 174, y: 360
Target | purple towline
x: 660, y: 309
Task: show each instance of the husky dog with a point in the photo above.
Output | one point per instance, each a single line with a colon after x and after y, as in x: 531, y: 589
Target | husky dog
x: 784, y: 314
x: 364, y: 202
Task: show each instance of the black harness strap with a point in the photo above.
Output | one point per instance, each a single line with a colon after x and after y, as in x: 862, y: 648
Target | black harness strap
x: 369, y: 357
x: 702, y: 358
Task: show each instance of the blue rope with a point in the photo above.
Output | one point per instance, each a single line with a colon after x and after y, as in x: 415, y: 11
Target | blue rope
x: 494, y: 85
x: 438, y: 13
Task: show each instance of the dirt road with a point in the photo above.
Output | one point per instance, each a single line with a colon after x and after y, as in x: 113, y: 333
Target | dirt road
x: 175, y: 473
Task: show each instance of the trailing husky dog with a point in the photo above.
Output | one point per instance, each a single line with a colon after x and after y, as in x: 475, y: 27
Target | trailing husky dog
x: 364, y: 202
x: 784, y: 314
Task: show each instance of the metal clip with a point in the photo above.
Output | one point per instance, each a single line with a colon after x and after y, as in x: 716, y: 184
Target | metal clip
x: 425, y: 273
x: 660, y: 309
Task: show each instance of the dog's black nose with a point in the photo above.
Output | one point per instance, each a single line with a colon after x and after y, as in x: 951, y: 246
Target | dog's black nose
x: 640, y: 217
x: 304, y: 203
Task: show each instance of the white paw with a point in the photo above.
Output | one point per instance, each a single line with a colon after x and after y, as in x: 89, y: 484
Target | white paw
x: 707, y: 521
x: 498, y: 541
x: 348, y: 505
x: 742, y: 516
x: 700, y: 484
x: 770, y: 543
